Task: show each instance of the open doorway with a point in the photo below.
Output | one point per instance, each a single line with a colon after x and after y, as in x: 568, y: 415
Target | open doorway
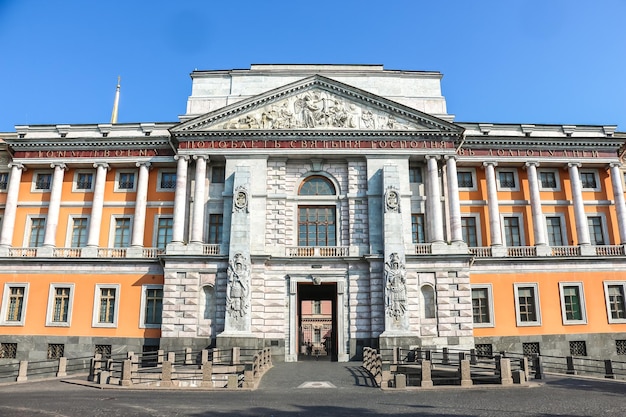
x: 317, y: 321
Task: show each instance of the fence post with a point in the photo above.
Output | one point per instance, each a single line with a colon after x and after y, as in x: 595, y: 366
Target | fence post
x: 234, y: 360
x: 427, y: 379
x: 160, y: 356
x: 466, y: 375
x: 126, y: 380
x: 134, y: 360
x: 95, y: 367
x: 171, y: 357
x: 446, y: 357
x: 204, y: 356
x: 233, y: 382
x: 497, y: 359
x: 570, y: 366
x: 523, y: 364
x: 62, y: 371
x: 428, y: 355
x: 418, y: 354
x: 473, y: 358
x: 538, y: 366
x: 400, y: 380
x: 207, y: 374
x: 608, y: 369
x: 188, y: 356
x: 505, y: 372
x: 22, y: 373
x: 166, y: 374
x: 129, y: 354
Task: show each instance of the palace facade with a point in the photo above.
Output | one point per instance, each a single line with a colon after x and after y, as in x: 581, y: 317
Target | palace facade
x: 284, y: 186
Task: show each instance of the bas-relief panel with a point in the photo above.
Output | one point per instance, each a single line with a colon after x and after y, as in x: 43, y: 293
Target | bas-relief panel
x: 318, y: 109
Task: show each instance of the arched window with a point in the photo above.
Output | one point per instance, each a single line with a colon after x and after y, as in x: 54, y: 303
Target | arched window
x: 428, y: 302
x: 317, y: 224
x: 208, y: 302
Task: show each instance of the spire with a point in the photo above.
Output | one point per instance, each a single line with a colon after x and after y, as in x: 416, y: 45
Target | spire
x: 116, y: 102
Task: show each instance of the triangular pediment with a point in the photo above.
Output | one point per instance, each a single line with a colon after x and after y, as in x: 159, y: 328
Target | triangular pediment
x: 317, y: 103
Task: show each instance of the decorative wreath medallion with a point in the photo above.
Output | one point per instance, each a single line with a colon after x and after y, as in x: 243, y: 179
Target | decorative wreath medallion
x: 241, y: 200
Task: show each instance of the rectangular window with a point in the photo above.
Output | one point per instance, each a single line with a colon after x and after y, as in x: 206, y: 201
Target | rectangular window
x: 468, y: 228
x: 106, y: 305
x: 79, y: 232
x: 527, y: 305
x: 465, y: 179
x: 512, y: 231
x: 14, y: 304
x: 216, y: 223
x: 60, y: 299
x: 482, y: 306
x: 620, y: 347
x: 152, y: 305
x: 572, y: 303
x: 596, y: 233
x: 218, y: 175
x: 84, y: 181
x: 555, y: 234
x: 578, y: 348
x: 615, y: 302
x: 37, y: 232
x: 588, y: 180
x: 55, y: 350
x: 8, y: 350
x: 531, y: 348
x: 4, y: 180
x: 167, y: 180
x: 164, y: 231
x: 484, y: 350
x: 415, y: 175
x: 122, y: 232
x: 317, y: 307
x: 43, y: 181
x: 317, y: 336
x: 316, y: 226
x: 417, y: 228
x: 507, y: 179
x: 547, y: 179
x: 126, y: 181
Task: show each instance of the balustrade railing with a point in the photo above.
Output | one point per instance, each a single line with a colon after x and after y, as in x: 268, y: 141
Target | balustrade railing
x: 565, y: 250
x: 211, y: 249
x: 481, y: 252
x: 152, y: 252
x: 23, y: 252
x: 423, y: 249
x: 111, y: 252
x: 521, y: 251
x: 318, y: 251
x: 66, y: 252
x: 610, y: 250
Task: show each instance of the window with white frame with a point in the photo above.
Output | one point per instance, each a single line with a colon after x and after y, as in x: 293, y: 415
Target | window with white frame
x: 614, y: 292
x: 42, y: 181
x: 555, y: 231
x: 121, y: 232
x: 572, y: 303
x: 83, y: 181
x: 469, y: 229
x: 79, y: 232
x: 527, y: 310
x: 151, y: 306
x: 482, y: 305
x: 60, y: 301
x: 417, y: 228
x: 216, y: 225
x: 466, y: 179
x: 14, y: 301
x: 4, y: 181
x: 589, y: 180
x: 125, y: 181
x: 512, y: 230
x: 166, y: 180
x: 549, y: 179
x: 507, y: 179
x: 596, y: 230
x: 415, y: 175
x: 106, y: 304
x: 164, y: 229
x: 37, y: 230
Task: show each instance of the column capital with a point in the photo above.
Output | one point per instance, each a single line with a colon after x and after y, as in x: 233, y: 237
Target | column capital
x: 492, y: 163
x: 198, y: 156
x: 102, y: 164
x: 531, y: 163
x: 453, y: 157
x: 183, y: 157
x: 59, y: 165
x: 574, y: 164
x: 435, y: 157
x: 615, y: 164
x: 144, y: 163
x: 17, y: 165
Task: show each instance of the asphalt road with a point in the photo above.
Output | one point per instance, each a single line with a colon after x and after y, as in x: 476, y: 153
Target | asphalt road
x: 350, y: 394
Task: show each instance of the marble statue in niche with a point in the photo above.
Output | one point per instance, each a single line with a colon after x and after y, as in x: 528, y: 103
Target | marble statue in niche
x: 395, y: 284
x: 238, y: 286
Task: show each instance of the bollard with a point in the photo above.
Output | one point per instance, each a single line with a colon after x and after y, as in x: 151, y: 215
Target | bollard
x: 608, y: 369
x: 426, y: 379
x: 505, y: 372
x: 519, y: 377
x: 446, y: 357
x: 400, y: 380
x: 207, y: 375
x: 188, y: 356
x: 103, y: 377
x: 62, y: 371
x: 126, y: 380
x: 538, y: 366
x: 233, y: 382
x: 22, y: 373
x: 465, y: 371
x: 570, y: 365
x: 166, y: 374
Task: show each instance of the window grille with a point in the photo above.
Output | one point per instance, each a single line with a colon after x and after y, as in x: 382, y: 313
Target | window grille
x: 465, y: 179
x: 126, y: 181
x: 588, y: 180
x: 168, y: 180
x: 578, y: 348
x: 507, y: 179
x: 84, y: 181
x: 4, y: 180
x: 55, y: 350
x: 8, y: 350
x: 484, y: 349
x: 531, y: 348
x: 104, y: 351
x: 547, y: 179
x: 620, y: 347
x: 43, y: 181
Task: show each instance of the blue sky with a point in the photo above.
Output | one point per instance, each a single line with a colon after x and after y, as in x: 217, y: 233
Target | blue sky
x: 513, y: 61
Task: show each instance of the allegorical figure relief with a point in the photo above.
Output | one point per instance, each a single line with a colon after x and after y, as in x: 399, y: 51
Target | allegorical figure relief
x: 238, y: 287
x: 392, y: 201
x: 317, y: 109
x: 395, y: 283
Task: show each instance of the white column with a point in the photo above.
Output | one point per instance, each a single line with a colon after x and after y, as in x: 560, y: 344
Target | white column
x: 454, y: 203
x: 139, y: 221
x: 52, y: 220
x: 492, y: 203
x: 180, y: 198
x: 197, y: 224
x: 10, y: 207
x: 539, y: 224
x: 95, y: 222
x: 582, y: 226
x: 434, y: 215
x: 618, y: 195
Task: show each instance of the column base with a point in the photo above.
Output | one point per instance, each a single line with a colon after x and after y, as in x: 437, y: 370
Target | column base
x: 498, y: 251
x: 4, y: 251
x: 89, y: 252
x: 45, y: 252
x: 543, y: 250
x: 587, y: 250
x: 134, y: 252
